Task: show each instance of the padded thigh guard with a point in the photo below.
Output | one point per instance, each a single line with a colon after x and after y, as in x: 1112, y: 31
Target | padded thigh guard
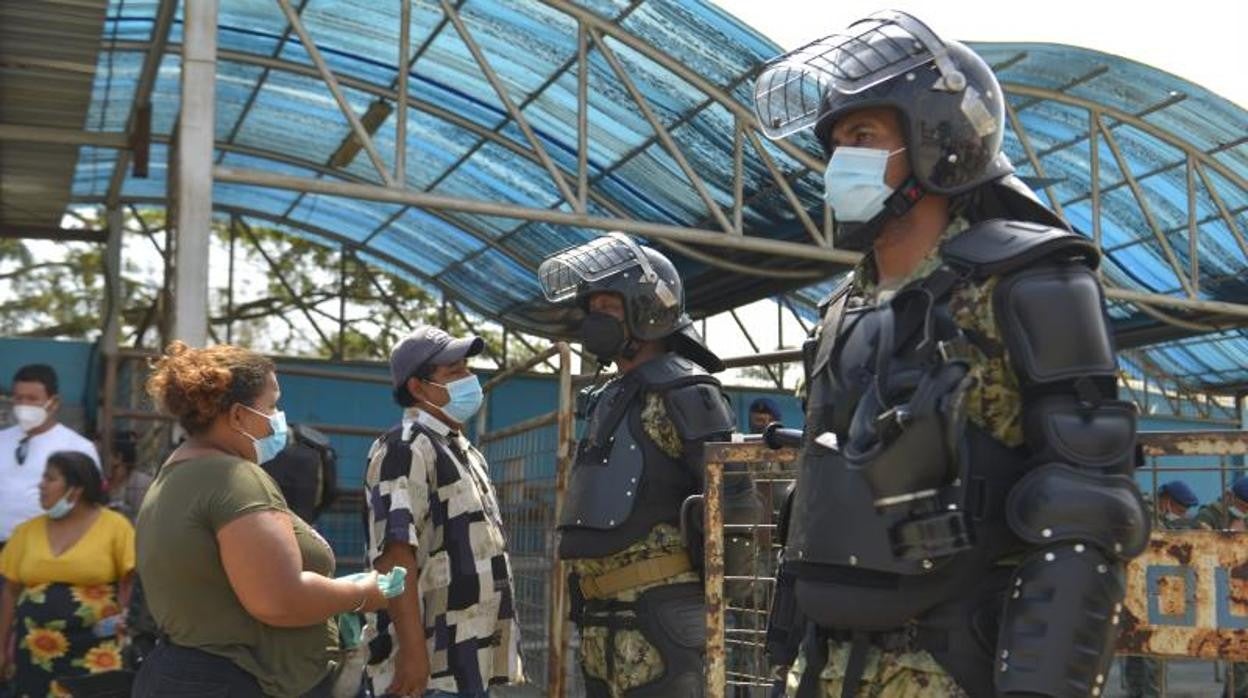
x: 1059, y: 624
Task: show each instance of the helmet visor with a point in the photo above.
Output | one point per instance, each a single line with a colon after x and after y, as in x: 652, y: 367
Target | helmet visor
x: 790, y: 92
x: 562, y: 275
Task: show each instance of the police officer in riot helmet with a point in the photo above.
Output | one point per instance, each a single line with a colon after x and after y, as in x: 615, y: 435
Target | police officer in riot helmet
x: 634, y: 559
x: 964, y: 505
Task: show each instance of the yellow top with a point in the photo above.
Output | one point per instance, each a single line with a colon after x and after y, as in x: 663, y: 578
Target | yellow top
x: 104, y: 554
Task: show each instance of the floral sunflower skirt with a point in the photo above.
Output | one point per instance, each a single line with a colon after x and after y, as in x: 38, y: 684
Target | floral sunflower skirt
x: 55, y: 638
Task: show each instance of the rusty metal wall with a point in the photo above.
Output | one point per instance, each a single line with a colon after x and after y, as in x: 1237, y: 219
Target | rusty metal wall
x: 1187, y: 595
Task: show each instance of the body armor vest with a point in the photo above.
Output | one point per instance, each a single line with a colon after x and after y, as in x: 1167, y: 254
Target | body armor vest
x: 907, y: 512
x: 622, y: 484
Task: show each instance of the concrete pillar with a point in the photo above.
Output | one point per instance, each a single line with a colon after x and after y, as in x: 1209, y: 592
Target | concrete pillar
x: 193, y: 191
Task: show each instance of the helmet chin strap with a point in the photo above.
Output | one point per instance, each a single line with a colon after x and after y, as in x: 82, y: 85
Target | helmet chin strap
x: 860, y: 236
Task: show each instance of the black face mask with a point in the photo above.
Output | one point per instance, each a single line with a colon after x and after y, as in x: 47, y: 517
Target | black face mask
x: 604, y: 336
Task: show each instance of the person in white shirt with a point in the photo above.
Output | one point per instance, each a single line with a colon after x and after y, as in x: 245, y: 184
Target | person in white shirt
x: 25, y: 447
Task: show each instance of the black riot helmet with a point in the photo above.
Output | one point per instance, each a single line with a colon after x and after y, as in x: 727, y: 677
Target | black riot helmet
x: 647, y: 282
x: 950, y: 105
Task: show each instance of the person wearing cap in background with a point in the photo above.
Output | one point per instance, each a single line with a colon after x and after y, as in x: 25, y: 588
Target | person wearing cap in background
x: 1228, y: 513
x: 1144, y: 675
x: 763, y: 411
x: 431, y: 508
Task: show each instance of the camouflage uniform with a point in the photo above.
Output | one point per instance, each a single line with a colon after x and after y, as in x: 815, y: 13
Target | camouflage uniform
x: 994, y: 403
x: 636, y: 662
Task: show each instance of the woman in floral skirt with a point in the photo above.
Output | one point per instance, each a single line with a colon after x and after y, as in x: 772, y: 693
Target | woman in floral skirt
x: 67, y: 575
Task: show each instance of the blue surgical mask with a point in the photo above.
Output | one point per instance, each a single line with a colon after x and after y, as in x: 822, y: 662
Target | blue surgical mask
x: 466, y: 397
x: 854, y: 185
x: 61, y: 508
x: 267, y: 447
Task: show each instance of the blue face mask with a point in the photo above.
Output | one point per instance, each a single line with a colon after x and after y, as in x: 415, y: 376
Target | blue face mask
x: 854, y: 184
x: 267, y: 447
x: 61, y: 508
x: 466, y: 397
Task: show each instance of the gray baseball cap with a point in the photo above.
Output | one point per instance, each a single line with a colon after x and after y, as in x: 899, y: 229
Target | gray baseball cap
x: 429, y: 345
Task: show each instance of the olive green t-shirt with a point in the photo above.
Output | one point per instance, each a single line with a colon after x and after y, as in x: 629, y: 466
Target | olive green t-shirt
x: 186, y: 585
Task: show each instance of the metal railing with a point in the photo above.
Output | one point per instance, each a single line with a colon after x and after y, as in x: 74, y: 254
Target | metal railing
x: 528, y: 461
x: 1187, y: 595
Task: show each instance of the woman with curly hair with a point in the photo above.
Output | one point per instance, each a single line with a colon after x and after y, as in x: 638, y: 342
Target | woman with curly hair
x: 240, y: 586
x: 67, y: 575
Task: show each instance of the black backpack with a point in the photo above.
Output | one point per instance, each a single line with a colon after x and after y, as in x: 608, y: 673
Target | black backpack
x: 327, y: 483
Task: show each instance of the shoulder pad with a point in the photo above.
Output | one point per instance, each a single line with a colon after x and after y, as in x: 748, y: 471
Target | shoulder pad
x: 699, y: 410
x: 835, y: 295
x: 671, y: 370
x: 999, y: 246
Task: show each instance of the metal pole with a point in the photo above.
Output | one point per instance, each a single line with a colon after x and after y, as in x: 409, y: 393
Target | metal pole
x: 112, y: 330
x: 558, y: 623
x: 791, y: 196
x: 516, y: 115
x: 1227, y: 218
x: 143, y: 90
x: 194, y: 176
x: 400, y: 138
x: 229, y: 286
x: 342, y: 301
x: 1094, y: 159
x: 661, y: 131
x: 504, y: 210
x: 713, y: 573
x: 1140, y: 199
x: 1025, y: 140
x: 582, y: 118
x: 332, y: 83
x: 1193, y: 232
x: 738, y: 178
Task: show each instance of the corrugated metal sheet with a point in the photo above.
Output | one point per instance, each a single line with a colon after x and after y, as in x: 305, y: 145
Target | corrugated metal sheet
x: 48, y: 53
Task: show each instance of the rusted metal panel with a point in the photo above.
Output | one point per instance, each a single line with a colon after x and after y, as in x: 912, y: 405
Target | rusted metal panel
x: 713, y: 572
x: 1194, y: 443
x: 1187, y: 596
x: 748, y: 452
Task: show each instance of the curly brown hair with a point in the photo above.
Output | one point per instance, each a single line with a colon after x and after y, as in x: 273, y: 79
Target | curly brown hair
x: 194, y: 386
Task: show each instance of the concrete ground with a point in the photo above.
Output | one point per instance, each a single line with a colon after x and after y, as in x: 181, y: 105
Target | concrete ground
x: 1186, y: 679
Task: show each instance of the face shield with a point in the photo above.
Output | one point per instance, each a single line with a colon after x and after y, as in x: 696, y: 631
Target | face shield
x: 795, y: 89
x: 562, y: 276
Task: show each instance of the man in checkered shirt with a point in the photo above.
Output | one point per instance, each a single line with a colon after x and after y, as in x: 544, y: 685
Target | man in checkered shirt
x: 431, y: 508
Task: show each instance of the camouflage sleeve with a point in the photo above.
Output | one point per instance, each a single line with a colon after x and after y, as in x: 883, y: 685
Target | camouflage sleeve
x: 658, y: 426
x: 994, y: 402
x: 1208, y: 518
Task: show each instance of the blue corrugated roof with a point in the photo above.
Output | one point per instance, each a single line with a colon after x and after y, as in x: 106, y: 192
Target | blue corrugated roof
x: 273, y: 113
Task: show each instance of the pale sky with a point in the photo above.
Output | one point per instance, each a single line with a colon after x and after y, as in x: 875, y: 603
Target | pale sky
x: 1203, y: 41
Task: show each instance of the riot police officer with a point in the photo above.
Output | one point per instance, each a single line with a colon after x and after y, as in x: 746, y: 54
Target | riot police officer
x: 638, y: 598
x: 964, y: 507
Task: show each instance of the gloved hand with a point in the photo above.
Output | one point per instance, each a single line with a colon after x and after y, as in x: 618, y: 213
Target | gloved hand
x: 391, y: 583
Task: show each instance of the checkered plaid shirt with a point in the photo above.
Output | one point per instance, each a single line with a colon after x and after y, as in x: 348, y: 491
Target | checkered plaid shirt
x: 427, y: 486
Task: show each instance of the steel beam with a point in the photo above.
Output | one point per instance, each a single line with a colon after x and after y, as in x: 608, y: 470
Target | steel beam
x: 143, y: 90
x: 503, y: 210
x: 400, y: 124
x: 660, y: 130
x: 582, y: 118
x: 501, y: 90
x: 610, y: 28
x: 1227, y: 218
x: 62, y: 136
x: 331, y: 82
x: 1142, y: 201
x: 1025, y: 140
x: 1130, y: 119
x: 789, y: 194
x: 194, y: 173
x: 112, y: 274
